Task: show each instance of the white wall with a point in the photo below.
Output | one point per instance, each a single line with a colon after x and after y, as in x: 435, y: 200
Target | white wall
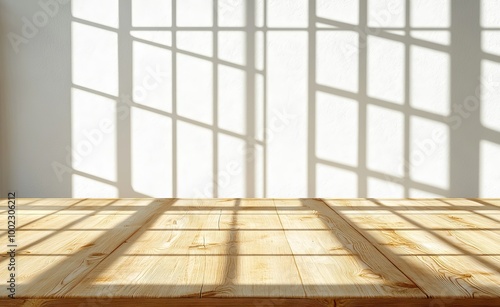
x: 234, y: 98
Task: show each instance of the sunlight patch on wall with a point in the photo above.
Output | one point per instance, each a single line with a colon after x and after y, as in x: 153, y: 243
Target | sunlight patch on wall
x: 231, y: 46
x: 199, y: 42
x: 83, y: 187
x: 259, y: 171
x: 490, y: 42
x: 259, y: 108
x: 286, y: 113
x: 337, y: 129
x: 151, y: 148
x: 194, y: 73
x: 259, y: 50
x: 430, y: 13
x: 287, y: 13
x: 429, y: 152
x: 385, y: 140
x: 346, y: 11
x: 159, y: 37
x: 231, y: 179
x: 490, y: 95
x: 95, y: 58
x: 321, y: 25
x: 194, y: 161
x: 335, y: 182
x: 93, y: 134
x: 104, y: 12
x: 386, y: 69
x: 416, y: 193
x: 151, y: 13
x: 232, y: 98
x: 381, y: 188
x: 489, y: 13
x: 195, y: 13
x: 429, y: 80
x: 386, y: 13
x: 438, y: 37
x: 231, y: 13
x: 152, y: 76
x: 259, y: 13
x: 489, y: 176
x: 337, y: 59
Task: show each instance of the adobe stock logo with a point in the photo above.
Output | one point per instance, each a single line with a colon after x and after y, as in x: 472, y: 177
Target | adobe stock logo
x: 31, y: 26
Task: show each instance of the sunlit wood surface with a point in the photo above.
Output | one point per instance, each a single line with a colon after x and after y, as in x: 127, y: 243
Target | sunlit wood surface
x: 254, y: 252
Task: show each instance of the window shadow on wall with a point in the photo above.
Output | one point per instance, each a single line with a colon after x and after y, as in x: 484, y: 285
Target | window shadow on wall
x: 364, y: 99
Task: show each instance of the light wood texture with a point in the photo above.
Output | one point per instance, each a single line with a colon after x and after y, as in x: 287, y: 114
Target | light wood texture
x: 255, y: 252
x: 445, y: 246
x: 332, y: 257
x: 250, y: 256
x: 52, y: 260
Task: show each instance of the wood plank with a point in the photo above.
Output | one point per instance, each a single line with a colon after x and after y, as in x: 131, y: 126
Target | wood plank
x: 165, y: 258
x: 333, y: 259
x: 51, y: 262
x: 487, y: 201
x: 250, y: 254
x: 251, y: 302
x: 170, y: 302
x: 197, y: 242
x: 445, y: 252
x: 256, y: 252
x: 26, y: 206
x: 416, y: 302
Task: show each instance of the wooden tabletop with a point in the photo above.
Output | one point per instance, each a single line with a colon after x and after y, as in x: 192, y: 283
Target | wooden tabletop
x: 254, y: 252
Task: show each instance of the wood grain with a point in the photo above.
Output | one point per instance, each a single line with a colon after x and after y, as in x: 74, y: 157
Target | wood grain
x: 162, y: 259
x: 444, y: 248
x: 251, y: 302
x: 172, y: 302
x: 256, y: 252
x: 334, y: 259
x: 51, y: 262
x: 251, y: 256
